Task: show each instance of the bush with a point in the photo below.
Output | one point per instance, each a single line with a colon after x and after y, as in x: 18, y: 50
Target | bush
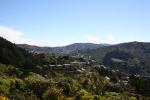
x: 53, y: 94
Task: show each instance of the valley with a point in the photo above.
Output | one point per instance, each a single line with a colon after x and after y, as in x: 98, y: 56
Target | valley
x: 87, y: 73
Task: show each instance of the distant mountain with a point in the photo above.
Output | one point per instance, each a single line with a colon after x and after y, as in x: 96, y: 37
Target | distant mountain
x: 64, y: 49
x: 132, y: 57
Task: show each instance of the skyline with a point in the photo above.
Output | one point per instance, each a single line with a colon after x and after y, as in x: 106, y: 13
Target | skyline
x: 63, y: 22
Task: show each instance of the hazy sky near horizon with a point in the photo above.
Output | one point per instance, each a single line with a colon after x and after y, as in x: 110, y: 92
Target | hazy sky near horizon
x: 62, y: 22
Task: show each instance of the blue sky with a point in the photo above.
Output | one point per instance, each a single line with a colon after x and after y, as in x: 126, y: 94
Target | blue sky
x: 62, y: 22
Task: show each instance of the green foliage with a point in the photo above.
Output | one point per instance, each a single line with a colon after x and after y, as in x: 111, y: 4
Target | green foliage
x: 53, y: 94
x: 46, y: 59
x: 69, y: 86
x: 133, y: 57
x: 36, y: 83
x: 11, y: 54
x: 7, y: 84
x: 141, y: 84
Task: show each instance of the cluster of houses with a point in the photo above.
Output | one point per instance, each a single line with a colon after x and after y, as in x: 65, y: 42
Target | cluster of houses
x: 65, y: 66
x: 78, y: 64
x: 86, y: 64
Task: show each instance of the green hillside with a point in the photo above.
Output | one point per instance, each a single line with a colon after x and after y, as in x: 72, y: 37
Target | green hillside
x: 12, y: 54
x: 130, y: 57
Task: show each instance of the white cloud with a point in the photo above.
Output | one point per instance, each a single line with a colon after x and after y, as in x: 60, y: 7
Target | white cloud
x: 111, y: 39
x: 15, y: 36
x: 91, y: 38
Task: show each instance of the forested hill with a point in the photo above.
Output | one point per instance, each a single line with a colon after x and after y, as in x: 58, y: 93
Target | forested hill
x: 12, y: 54
x: 132, y: 57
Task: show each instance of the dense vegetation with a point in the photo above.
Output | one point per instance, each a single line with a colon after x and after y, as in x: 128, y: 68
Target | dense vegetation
x: 25, y: 76
x: 10, y: 54
x: 132, y: 58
